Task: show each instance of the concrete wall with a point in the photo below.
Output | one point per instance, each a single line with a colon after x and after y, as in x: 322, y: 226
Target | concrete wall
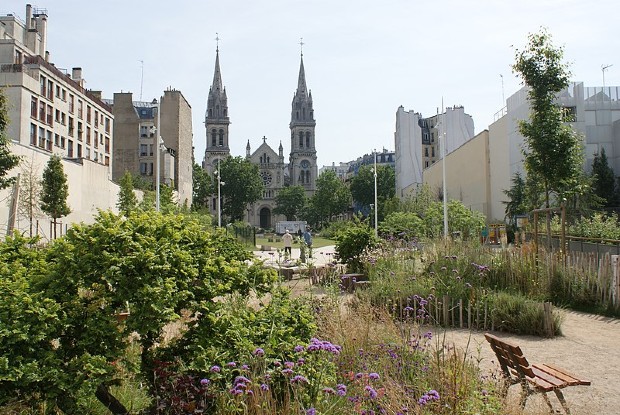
x: 468, y: 176
x: 408, y: 148
x: 500, y: 167
x: 89, y: 190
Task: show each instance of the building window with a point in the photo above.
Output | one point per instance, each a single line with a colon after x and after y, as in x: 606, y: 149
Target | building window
x: 150, y: 169
x: 62, y: 142
x: 88, y: 109
x: 71, y: 126
x: 50, y: 115
x: 43, y: 86
x: 426, y: 152
x: 41, y: 142
x: 48, y: 141
x: 42, y: 111
x: 79, y: 131
x: 308, y: 139
x: 79, y: 151
x: 50, y: 90
x: 96, y: 118
x: 214, y: 137
x: 56, y: 140
x: 64, y: 95
x: 34, y: 105
x: 18, y: 58
x: 107, y: 125
x: 70, y: 148
x: 143, y: 169
x: 221, y: 137
x: 143, y: 150
x: 80, y: 110
x: 301, y: 139
x: 71, y: 103
x: 33, y: 135
x: 432, y: 151
x: 58, y: 91
x: 88, y: 135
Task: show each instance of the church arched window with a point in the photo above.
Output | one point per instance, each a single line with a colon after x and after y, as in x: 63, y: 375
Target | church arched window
x: 214, y: 137
x: 307, y: 176
x: 308, y: 139
x: 210, y: 112
x: 221, y: 137
x: 301, y: 139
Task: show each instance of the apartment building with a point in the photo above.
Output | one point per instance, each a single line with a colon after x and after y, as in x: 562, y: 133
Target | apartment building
x: 49, y: 108
x: 417, y: 143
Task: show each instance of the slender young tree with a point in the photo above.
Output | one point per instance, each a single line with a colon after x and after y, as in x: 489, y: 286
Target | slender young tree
x: 603, y: 179
x: 30, y: 186
x: 8, y: 160
x: 55, y: 191
x: 363, y: 186
x: 553, y: 151
x: 127, y: 200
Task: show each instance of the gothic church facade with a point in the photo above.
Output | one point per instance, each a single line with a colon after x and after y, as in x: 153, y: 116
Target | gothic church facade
x: 301, y: 168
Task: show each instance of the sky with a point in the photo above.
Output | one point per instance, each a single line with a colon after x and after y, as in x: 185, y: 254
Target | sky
x: 363, y: 59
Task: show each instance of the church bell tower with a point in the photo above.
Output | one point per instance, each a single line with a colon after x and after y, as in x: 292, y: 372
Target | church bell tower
x: 216, y: 120
x: 303, y: 169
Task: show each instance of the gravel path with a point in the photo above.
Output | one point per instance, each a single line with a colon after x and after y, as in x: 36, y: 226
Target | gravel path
x: 589, y: 347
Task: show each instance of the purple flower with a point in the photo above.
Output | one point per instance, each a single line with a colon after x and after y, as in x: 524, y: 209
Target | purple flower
x: 215, y: 369
x: 341, y: 389
x: 259, y: 352
x: 289, y: 365
x: 329, y: 391
x: 264, y: 387
x: 231, y: 364
x: 245, y: 367
x: 299, y: 379
x: 299, y: 349
x: 311, y: 411
x: 373, y: 376
x: 205, y: 382
x: 371, y: 391
x: 359, y: 375
x: 287, y: 372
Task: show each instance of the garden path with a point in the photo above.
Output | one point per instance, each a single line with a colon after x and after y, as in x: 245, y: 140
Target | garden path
x: 589, y: 347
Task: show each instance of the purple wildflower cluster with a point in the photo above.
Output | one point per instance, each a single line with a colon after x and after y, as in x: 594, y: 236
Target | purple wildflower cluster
x: 318, y: 345
x: 429, y: 396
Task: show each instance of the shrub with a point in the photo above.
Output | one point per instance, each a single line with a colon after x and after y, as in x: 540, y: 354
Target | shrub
x: 403, y: 224
x: 352, y: 242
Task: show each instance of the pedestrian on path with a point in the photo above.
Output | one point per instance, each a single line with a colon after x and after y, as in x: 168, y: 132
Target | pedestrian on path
x: 287, y: 238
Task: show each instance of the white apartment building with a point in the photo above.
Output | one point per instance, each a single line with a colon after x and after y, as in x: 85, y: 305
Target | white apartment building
x: 417, y: 143
x: 49, y: 109
x: 51, y: 112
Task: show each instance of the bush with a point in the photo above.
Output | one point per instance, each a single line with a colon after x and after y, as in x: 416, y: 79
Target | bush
x: 351, y: 243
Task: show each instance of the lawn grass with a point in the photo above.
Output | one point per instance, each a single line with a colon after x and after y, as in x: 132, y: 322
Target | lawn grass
x: 317, y: 242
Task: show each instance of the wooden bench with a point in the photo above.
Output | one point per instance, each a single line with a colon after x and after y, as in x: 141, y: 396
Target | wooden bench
x: 541, y: 378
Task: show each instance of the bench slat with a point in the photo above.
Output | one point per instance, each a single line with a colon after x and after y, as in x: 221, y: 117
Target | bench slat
x: 562, y: 373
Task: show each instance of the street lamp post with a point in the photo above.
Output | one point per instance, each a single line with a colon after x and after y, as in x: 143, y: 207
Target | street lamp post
x: 157, y: 140
x: 220, y: 183
x: 443, y: 147
x: 376, y: 205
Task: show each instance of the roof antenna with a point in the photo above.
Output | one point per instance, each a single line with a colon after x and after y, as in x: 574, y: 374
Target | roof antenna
x: 301, y: 45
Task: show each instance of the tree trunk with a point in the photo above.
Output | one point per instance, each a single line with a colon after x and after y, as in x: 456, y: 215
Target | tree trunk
x: 109, y: 401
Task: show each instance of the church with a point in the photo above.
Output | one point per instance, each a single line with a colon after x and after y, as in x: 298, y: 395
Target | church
x: 276, y: 174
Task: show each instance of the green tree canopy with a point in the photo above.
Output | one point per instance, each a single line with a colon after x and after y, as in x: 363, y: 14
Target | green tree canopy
x: 242, y: 186
x: 127, y: 200
x: 290, y: 202
x: 55, y: 191
x: 604, y: 180
x: 553, y: 151
x: 518, y: 203
x: 7, y: 160
x: 202, y: 188
x: 331, y: 198
x: 363, y: 186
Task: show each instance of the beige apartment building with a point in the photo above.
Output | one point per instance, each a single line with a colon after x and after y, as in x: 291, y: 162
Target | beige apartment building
x: 135, y: 131
x: 51, y: 112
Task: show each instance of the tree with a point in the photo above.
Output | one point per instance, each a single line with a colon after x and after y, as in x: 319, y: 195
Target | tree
x: 331, y: 198
x: 30, y: 186
x: 290, y: 202
x: 7, y: 160
x: 604, y: 180
x: 363, y: 186
x: 202, y: 188
x: 242, y: 186
x: 517, y: 205
x: 167, y: 204
x: 55, y: 191
x: 553, y: 151
x: 127, y: 200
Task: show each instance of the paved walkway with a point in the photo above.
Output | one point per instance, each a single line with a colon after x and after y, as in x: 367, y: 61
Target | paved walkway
x: 320, y: 256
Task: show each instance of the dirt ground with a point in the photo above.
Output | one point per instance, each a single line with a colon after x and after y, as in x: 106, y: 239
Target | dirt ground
x: 589, y: 347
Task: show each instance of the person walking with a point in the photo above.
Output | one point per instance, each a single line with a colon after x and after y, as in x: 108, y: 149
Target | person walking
x: 308, y: 241
x: 287, y: 238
